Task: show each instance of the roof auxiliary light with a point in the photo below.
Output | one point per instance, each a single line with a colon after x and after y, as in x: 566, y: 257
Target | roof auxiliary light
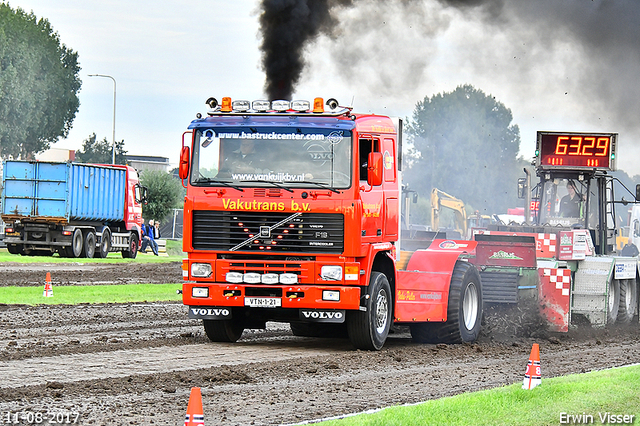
x: 226, y: 105
x: 300, y: 106
x: 261, y: 106
x: 280, y: 105
x: 318, y: 105
x: 241, y: 106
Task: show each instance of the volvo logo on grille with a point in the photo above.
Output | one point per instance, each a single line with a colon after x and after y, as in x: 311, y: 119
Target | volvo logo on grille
x: 265, y: 232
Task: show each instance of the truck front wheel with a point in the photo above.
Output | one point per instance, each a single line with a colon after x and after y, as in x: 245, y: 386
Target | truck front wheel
x: 132, y: 252
x: 464, y: 310
x: 369, y: 329
x: 223, y: 330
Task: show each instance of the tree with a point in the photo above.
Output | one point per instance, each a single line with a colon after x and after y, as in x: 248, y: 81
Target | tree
x: 463, y: 143
x: 101, y: 152
x: 38, y: 84
x: 165, y: 194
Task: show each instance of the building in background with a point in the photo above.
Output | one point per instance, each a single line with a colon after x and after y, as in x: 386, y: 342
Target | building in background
x: 148, y: 162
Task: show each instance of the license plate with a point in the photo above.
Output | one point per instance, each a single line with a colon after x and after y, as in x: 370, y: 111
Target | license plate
x: 262, y: 302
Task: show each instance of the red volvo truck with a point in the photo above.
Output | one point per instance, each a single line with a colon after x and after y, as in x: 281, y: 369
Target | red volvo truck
x: 292, y: 214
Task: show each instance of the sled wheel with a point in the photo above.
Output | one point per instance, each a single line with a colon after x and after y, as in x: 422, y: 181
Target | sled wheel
x: 464, y: 310
x: 369, y: 329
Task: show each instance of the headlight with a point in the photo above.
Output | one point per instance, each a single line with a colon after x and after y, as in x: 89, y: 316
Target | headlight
x: 202, y: 270
x: 331, y: 273
x: 200, y: 292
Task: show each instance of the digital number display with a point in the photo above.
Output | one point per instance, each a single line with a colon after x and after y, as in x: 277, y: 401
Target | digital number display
x: 576, y: 150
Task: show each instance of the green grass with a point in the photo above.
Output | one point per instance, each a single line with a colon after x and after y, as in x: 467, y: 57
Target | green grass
x: 73, y: 295
x: 174, y: 251
x: 612, y: 391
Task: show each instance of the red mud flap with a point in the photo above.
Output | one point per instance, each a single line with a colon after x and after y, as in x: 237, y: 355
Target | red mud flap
x: 555, y: 297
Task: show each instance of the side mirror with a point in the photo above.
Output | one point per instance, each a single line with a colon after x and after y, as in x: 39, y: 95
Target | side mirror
x: 374, y: 168
x: 183, y: 170
x: 638, y: 192
x: 522, y: 183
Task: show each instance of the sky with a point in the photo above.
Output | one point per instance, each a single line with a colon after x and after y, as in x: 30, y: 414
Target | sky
x: 562, y: 66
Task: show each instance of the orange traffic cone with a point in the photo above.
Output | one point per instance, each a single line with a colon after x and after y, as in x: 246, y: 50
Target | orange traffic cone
x: 48, y: 288
x: 195, y: 415
x: 533, y: 375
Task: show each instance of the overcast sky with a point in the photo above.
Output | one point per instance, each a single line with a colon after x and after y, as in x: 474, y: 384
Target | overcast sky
x: 564, y: 66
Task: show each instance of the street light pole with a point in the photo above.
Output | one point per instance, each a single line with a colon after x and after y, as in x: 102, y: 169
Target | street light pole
x: 113, y: 149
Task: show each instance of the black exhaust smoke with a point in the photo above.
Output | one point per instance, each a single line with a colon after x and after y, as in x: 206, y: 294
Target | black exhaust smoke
x: 286, y: 26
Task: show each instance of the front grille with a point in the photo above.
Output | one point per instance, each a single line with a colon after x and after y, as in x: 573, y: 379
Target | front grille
x: 250, y: 231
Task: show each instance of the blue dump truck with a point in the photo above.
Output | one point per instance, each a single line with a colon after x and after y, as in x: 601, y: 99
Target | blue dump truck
x: 76, y: 210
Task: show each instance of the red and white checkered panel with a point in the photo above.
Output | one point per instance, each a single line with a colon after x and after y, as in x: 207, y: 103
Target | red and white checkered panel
x: 555, y: 297
x: 546, y: 245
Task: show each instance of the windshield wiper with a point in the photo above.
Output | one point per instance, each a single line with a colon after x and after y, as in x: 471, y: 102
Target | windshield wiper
x: 277, y: 184
x: 320, y: 184
x: 221, y: 182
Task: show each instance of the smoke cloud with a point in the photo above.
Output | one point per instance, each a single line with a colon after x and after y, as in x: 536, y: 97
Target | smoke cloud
x: 564, y: 65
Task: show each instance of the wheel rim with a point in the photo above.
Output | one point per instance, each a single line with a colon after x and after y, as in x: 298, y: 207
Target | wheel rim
x: 470, y: 306
x: 382, y: 312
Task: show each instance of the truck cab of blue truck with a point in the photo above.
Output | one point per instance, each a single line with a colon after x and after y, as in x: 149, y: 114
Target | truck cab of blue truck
x: 76, y: 210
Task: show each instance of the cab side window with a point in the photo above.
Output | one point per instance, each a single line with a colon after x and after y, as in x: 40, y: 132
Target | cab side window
x: 366, y: 146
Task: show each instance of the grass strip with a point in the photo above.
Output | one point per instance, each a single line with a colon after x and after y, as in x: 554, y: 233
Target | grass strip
x: 600, y: 397
x: 174, y: 252
x: 74, y: 295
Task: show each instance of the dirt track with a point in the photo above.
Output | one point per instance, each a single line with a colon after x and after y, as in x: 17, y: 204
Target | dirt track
x: 136, y: 363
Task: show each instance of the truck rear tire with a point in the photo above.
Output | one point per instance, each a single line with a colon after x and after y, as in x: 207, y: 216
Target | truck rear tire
x: 15, y: 248
x: 223, y: 330
x: 77, y: 243
x: 89, y: 247
x: 369, y: 329
x: 464, y: 310
x: 628, y: 301
x: 105, y: 243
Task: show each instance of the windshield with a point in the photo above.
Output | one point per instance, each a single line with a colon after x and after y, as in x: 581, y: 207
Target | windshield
x: 314, y: 158
x: 565, y: 203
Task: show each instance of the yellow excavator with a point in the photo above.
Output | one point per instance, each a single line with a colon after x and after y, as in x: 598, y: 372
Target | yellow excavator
x: 440, y: 199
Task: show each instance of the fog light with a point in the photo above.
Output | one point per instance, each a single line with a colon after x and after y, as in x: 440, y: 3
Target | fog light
x: 288, y: 278
x: 200, y: 292
x: 331, y: 273
x: 332, y: 295
x: 233, y: 277
x: 251, y: 278
x: 270, y: 279
x: 202, y: 270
